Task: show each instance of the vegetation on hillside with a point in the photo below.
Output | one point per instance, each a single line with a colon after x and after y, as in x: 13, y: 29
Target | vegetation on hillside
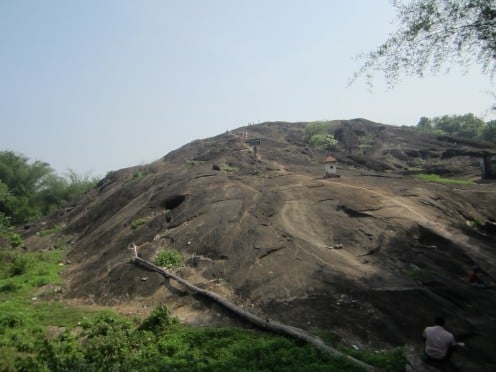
x: 168, y: 258
x: 38, y: 332
x: 30, y: 190
x: 464, y: 126
x: 438, y: 178
x: 318, y: 135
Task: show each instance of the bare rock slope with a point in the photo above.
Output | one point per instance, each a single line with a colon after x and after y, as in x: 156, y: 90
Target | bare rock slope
x: 372, y: 256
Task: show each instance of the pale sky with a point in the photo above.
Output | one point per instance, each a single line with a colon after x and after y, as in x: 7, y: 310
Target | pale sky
x: 99, y: 85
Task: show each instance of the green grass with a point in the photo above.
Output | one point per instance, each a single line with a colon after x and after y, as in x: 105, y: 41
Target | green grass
x: 31, y: 309
x: 24, y: 317
x: 437, y: 178
x: 138, y: 222
x: 194, y: 163
x: 136, y: 176
x: 390, y: 360
x: 229, y: 168
x: 168, y: 258
x: 50, y: 231
x: 115, y: 343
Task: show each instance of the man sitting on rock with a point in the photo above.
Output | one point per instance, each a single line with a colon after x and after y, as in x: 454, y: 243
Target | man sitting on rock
x: 438, y: 341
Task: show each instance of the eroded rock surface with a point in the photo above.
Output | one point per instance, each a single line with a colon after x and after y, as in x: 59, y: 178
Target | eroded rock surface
x: 372, y: 256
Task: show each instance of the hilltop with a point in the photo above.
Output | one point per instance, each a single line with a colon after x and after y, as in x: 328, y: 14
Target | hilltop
x: 371, y: 256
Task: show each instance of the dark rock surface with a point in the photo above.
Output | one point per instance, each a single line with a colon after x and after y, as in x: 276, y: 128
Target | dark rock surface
x: 261, y: 229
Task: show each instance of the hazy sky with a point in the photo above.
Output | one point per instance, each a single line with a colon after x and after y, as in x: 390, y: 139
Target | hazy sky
x: 101, y: 85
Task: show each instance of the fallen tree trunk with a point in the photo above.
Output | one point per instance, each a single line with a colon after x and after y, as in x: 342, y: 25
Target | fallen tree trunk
x: 266, y: 324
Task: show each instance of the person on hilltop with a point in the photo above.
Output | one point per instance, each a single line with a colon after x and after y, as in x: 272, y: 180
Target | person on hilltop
x: 439, y: 342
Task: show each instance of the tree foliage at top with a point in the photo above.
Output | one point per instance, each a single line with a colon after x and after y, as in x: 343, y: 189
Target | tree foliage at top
x: 29, y: 190
x: 433, y: 32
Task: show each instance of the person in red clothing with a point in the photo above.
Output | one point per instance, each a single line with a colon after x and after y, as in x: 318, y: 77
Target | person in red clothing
x: 438, y: 341
x: 474, y: 278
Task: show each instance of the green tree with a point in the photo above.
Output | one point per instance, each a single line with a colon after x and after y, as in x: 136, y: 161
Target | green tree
x: 489, y: 132
x: 425, y: 125
x: 5, y: 204
x: 316, y: 127
x: 466, y: 126
x: 432, y: 33
x: 318, y: 135
x: 77, y: 184
x: 470, y: 126
x: 21, y: 177
x: 55, y: 190
x: 30, y: 190
x: 23, y: 181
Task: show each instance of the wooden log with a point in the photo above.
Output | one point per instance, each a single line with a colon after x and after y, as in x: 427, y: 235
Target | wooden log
x: 266, y: 324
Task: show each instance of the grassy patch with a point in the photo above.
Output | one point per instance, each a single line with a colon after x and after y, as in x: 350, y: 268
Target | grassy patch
x: 136, y: 176
x: 24, y: 318
x: 50, y: 231
x: 229, y: 168
x: 194, y: 163
x: 436, y: 178
x: 168, y: 258
x: 39, y: 334
x: 137, y: 222
x: 115, y: 343
x: 366, y: 142
x: 390, y: 360
x: 13, y: 263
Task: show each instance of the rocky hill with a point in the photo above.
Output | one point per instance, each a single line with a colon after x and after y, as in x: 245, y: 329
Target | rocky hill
x: 371, y: 256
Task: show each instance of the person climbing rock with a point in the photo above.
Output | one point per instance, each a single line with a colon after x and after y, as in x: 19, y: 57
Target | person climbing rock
x: 438, y: 341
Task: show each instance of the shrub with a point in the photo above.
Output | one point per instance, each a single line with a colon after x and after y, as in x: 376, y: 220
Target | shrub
x: 317, y: 135
x: 137, y: 222
x: 160, y: 318
x: 136, y: 176
x: 322, y: 140
x: 19, y: 265
x: 194, y: 163
x: 168, y: 258
x: 9, y: 287
x: 15, y: 240
x: 316, y: 127
x: 11, y: 321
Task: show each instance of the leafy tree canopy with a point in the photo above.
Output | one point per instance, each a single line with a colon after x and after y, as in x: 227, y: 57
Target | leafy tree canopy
x: 5, y: 201
x: 318, y: 135
x: 465, y: 126
x: 435, y: 32
x: 489, y: 131
x: 29, y: 190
